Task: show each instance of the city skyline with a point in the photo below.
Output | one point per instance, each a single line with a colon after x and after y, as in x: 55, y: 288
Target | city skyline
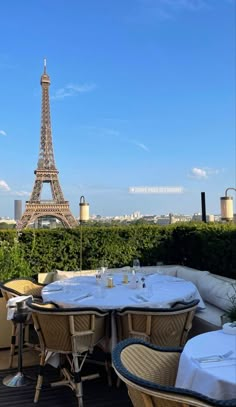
x: 142, y: 96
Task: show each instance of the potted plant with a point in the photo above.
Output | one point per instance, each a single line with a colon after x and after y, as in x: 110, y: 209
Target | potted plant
x: 231, y: 312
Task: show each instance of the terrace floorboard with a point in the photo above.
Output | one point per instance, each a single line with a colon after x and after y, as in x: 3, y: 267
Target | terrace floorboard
x: 97, y: 393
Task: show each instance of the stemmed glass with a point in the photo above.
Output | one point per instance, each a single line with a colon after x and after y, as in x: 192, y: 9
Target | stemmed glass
x: 136, y: 265
x: 159, y: 267
x: 104, y: 265
x: 103, y: 271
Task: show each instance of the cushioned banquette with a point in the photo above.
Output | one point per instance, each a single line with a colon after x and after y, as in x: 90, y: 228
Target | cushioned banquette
x: 214, y: 290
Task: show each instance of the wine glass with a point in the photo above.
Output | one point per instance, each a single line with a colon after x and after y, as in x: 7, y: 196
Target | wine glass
x: 136, y: 265
x: 159, y: 267
x: 104, y: 265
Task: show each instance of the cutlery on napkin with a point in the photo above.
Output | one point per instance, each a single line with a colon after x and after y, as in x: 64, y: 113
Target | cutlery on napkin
x: 138, y: 299
x: 214, y: 358
x: 218, y: 363
x: 82, y: 297
x: 46, y: 290
x: 141, y: 298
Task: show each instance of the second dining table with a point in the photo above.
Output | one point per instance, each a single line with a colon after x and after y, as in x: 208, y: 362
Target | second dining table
x: 209, y: 360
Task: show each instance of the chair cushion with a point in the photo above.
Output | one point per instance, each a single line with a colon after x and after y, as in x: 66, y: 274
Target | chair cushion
x: 216, y: 291
x: 193, y: 275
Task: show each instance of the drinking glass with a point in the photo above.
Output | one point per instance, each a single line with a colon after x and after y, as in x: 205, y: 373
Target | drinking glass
x: 159, y: 267
x: 104, y: 265
x: 136, y: 265
x: 125, y: 275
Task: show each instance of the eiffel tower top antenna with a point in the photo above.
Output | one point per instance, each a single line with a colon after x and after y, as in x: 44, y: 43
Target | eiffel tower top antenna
x: 45, y: 65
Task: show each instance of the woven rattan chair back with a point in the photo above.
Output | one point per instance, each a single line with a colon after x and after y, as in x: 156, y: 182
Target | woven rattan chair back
x: 163, y: 327
x: 20, y: 286
x: 150, y: 372
x: 14, y: 288
x: 70, y: 331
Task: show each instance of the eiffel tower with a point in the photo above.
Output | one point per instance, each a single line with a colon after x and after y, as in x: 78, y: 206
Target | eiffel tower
x: 46, y: 173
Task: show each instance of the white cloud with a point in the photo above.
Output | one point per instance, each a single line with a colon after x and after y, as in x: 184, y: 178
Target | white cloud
x: 21, y: 193
x: 199, y: 173
x: 72, y: 90
x: 140, y: 145
x: 3, y: 133
x: 4, y: 186
x: 152, y: 10
x: 185, y: 4
x: 204, y: 172
x: 115, y: 133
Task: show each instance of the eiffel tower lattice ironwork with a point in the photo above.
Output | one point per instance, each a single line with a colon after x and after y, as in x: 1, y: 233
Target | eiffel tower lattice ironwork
x: 46, y: 172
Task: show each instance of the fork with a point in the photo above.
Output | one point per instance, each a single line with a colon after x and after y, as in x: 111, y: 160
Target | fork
x: 215, y: 358
x: 82, y: 297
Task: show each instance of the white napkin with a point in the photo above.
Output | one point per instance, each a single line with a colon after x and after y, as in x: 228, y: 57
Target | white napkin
x: 139, y: 299
x: 82, y: 297
x: 218, y: 363
x: 52, y: 289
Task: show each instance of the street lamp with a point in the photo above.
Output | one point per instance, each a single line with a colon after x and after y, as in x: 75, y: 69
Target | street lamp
x: 83, y: 217
x: 226, y: 204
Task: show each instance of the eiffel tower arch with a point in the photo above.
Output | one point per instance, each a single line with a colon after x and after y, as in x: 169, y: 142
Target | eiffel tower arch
x: 46, y: 173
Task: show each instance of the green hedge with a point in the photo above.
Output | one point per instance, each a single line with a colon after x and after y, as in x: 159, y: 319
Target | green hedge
x: 202, y: 246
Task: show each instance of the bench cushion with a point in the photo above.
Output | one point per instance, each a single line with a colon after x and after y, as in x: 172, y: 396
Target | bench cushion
x: 216, y: 291
x: 193, y: 275
x: 168, y: 270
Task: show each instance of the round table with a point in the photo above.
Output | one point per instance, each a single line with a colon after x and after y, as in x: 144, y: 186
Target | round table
x: 160, y: 291
x: 216, y: 379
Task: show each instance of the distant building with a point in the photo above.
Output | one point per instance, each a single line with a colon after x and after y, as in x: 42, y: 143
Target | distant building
x: 17, y: 209
x: 197, y: 217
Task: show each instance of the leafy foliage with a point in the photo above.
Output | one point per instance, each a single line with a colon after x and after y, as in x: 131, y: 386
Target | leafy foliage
x: 199, y: 245
x: 12, y: 261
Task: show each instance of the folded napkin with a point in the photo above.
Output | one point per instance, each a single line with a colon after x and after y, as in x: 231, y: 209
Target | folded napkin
x: 139, y: 299
x: 52, y: 289
x: 217, y: 363
x: 82, y: 297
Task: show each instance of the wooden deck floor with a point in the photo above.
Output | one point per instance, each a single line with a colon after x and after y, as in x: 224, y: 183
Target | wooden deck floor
x: 96, y: 392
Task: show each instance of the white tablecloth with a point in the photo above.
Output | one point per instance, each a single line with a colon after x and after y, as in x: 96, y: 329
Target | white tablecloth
x: 213, y: 379
x: 160, y: 291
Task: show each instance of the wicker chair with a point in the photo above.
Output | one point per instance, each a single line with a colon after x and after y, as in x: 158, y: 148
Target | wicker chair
x: 13, y: 288
x: 73, y: 332
x: 149, y: 373
x: 160, y: 326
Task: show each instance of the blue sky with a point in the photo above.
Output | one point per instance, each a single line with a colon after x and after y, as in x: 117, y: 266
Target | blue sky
x: 142, y: 95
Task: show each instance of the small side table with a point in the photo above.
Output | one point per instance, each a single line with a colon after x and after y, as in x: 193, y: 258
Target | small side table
x: 19, y: 379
